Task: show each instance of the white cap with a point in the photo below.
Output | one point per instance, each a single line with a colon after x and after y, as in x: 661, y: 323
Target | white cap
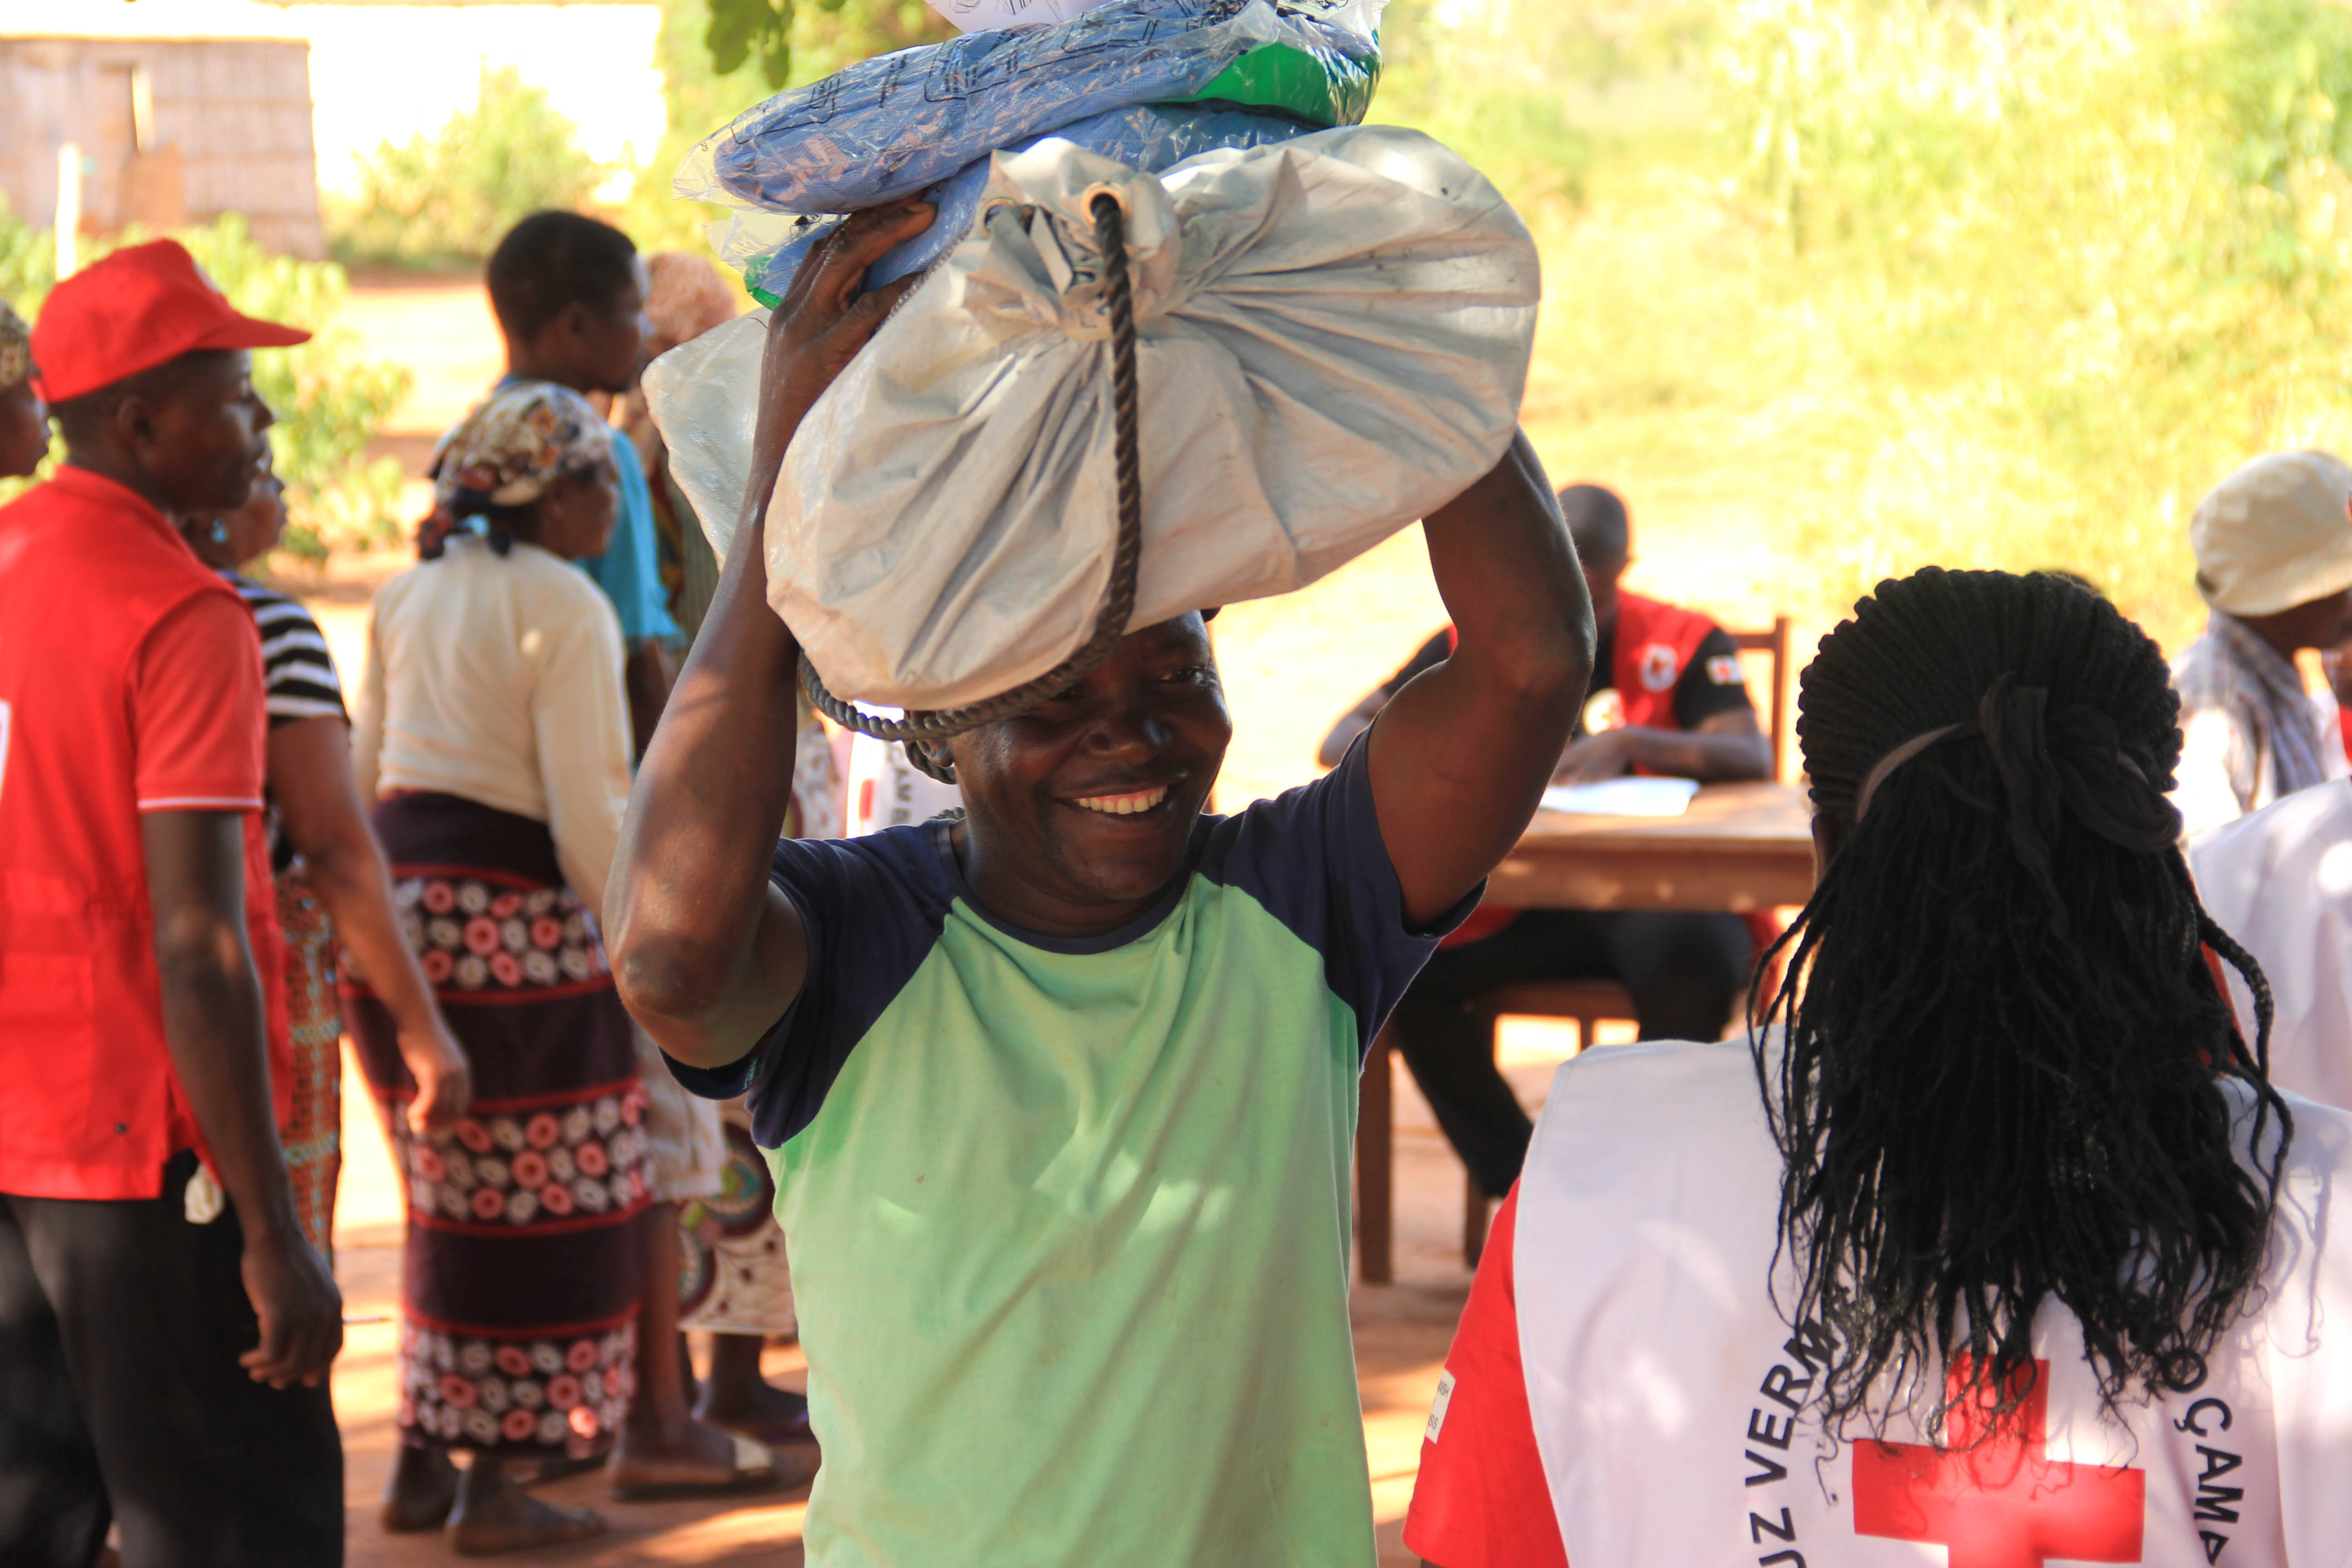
x: 2275, y: 534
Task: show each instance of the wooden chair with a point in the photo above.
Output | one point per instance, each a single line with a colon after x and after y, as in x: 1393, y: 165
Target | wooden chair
x: 1776, y: 643
x: 1585, y: 1001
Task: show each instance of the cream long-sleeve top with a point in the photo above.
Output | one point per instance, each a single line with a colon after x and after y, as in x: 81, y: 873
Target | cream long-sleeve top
x: 499, y: 680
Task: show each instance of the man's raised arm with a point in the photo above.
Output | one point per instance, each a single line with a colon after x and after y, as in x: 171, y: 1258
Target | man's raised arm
x: 708, y: 955
x: 1461, y: 756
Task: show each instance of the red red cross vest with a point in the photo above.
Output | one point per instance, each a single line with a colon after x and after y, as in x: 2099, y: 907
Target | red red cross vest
x: 1654, y: 644
x: 93, y: 1106
x: 1674, y: 1405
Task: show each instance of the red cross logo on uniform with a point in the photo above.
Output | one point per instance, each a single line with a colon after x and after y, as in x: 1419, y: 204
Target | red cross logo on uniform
x: 2003, y: 1503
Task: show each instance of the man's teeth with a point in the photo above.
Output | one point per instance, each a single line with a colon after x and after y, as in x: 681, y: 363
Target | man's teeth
x: 1124, y: 804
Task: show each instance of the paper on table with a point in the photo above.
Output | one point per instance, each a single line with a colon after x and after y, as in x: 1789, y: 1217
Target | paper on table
x: 1623, y: 798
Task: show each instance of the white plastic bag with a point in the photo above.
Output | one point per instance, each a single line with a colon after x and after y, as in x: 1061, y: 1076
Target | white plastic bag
x: 704, y: 395
x: 1332, y: 339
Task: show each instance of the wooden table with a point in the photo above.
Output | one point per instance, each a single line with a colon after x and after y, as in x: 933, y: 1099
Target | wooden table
x: 1739, y: 848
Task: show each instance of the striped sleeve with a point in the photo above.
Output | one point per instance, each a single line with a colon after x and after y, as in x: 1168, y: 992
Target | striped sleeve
x: 295, y: 661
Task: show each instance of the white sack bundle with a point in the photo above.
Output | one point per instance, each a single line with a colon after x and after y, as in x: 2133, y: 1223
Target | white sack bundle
x: 1332, y: 339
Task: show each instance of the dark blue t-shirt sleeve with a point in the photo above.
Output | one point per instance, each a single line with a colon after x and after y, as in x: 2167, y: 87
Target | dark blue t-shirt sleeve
x: 873, y: 909
x: 1314, y: 858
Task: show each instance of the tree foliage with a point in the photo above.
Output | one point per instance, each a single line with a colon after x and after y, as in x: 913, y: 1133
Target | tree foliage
x: 1971, y: 282
x: 819, y: 39
x: 771, y: 36
x: 2107, y: 241
x: 329, y: 399
x: 447, y: 198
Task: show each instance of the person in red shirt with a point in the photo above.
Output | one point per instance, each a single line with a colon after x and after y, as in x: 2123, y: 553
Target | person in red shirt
x: 166, y: 1328
x: 1667, y: 698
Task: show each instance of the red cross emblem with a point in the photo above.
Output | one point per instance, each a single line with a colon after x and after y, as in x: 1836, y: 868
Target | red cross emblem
x: 2002, y: 1504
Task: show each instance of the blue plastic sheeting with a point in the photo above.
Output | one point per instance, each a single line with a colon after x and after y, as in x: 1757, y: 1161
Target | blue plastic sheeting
x: 889, y: 126
x: 1150, y: 137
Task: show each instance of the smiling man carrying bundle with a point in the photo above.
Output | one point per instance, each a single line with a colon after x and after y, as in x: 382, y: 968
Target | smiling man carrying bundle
x: 1059, y: 1097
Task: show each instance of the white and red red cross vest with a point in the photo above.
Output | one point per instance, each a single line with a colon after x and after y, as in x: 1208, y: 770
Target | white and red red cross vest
x: 1673, y: 1403
x: 1654, y: 644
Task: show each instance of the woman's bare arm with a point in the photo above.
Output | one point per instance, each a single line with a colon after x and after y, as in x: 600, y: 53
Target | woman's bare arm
x: 1461, y: 755
x: 1725, y: 746
x: 310, y: 766
x: 708, y: 954
x: 1352, y: 723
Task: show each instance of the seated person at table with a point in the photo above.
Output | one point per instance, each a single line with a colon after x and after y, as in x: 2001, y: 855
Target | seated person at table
x: 2274, y: 547
x: 2014, y: 1257
x: 1058, y: 1095
x: 1674, y: 678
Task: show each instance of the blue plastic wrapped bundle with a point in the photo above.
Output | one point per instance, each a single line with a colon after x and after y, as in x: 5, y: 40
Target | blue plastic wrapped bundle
x: 1145, y: 82
x: 1151, y: 137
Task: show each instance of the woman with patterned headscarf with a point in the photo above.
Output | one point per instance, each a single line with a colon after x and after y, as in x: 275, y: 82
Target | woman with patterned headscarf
x: 24, y: 423
x: 493, y: 736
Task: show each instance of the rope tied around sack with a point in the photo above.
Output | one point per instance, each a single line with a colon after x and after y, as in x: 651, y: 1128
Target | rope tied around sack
x: 1126, y: 553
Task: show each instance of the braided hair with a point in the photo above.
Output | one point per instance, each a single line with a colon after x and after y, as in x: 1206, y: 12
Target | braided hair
x: 2003, y: 1046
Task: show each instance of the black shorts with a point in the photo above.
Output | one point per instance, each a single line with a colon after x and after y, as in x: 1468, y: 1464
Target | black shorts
x: 121, y: 1400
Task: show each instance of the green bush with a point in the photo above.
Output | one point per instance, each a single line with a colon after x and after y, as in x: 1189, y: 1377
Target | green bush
x: 445, y: 200
x: 329, y: 399
x: 787, y: 43
x: 1492, y: 82
x: 1978, y: 282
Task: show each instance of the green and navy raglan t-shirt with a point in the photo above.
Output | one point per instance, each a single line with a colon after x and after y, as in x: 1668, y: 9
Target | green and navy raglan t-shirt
x: 1069, y: 1219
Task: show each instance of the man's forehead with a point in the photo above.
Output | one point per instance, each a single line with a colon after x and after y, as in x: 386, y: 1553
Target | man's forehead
x: 200, y: 372
x: 1187, y: 631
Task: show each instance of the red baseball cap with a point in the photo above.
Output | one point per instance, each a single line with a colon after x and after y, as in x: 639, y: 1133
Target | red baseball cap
x: 138, y: 308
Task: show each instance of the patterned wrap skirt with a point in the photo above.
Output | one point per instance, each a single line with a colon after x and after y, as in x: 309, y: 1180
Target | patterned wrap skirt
x: 525, y: 1252
x: 734, y: 1278
x: 314, y: 1138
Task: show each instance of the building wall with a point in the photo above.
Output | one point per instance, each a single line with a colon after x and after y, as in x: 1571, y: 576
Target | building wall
x: 227, y: 128
x: 265, y: 104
